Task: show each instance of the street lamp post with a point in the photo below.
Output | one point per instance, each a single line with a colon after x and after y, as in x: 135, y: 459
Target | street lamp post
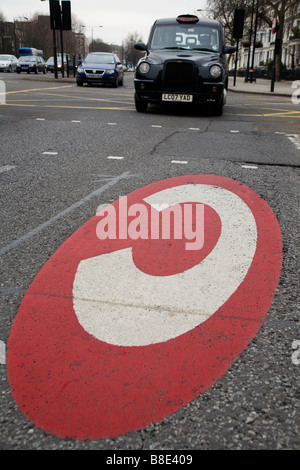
x: 204, y: 9
x: 92, y: 27
x: 15, y: 31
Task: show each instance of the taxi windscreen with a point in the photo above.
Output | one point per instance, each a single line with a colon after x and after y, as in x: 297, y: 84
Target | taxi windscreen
x: 185, y: 36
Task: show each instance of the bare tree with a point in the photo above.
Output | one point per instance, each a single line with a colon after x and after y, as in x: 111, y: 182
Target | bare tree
x: 131, y: 55
x: 267, y: 11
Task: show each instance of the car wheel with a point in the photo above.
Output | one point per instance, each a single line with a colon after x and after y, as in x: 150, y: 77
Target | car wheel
x: 18, y: 71
x: 121, y: 82
x: 9, y: 69
x: 140, y: 106
x: 36, y: 71
x: 79, y: 83
x: 44, y: 71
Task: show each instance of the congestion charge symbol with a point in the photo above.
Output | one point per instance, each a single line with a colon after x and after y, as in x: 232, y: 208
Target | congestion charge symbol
x: 93, y: 353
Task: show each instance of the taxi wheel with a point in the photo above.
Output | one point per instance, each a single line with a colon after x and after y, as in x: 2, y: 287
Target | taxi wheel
x: 140, y: 106
x: 218, y: 109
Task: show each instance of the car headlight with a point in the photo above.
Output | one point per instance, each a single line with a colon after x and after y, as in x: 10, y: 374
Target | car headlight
x: 215, y: 71
x: 80, y: 70
x: 144, y: 68
x: 110, y: 71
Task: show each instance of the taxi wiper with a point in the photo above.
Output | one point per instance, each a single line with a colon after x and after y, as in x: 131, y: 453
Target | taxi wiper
x: 202, y: 49
x: 176, y: 47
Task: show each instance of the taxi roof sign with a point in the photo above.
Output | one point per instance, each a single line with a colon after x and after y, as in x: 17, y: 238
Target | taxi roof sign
x: 187, y: 19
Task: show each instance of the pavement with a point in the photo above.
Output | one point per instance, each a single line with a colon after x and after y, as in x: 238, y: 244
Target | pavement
x: 260, y: 86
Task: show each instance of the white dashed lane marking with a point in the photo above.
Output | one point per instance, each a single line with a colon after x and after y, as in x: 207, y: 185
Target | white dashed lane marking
x: 295, y: 139
x: 2, y: 353
x: 250, y: 167
x: 6, y: 168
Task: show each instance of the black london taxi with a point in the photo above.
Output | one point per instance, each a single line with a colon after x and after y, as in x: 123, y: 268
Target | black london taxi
x: 184, y: 62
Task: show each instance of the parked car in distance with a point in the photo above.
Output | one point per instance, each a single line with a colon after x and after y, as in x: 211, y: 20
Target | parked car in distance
x: 8, y: 63
x: 100, y: 68
x: 50, y: 64
x: 31, y: 64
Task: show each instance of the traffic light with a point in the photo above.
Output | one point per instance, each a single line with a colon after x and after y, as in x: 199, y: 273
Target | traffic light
x: 66, y: 15
x: 238, y: 24
x: 60, y: 15
x: 55, y: 14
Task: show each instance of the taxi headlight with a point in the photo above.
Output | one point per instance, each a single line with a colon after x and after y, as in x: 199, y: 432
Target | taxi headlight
x: 215, y: 71
x: 144, y: 68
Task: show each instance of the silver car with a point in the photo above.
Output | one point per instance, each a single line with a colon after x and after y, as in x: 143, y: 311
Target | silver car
x: 8, y: 63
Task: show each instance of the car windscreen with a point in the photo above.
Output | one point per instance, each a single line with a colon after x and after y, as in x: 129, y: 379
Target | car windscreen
x: 185, y: 36
x: 5, y: 57
x: 28, y: 59
x: 99, y: 59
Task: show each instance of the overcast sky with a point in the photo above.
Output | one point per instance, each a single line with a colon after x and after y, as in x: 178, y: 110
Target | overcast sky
x: 117, y: 21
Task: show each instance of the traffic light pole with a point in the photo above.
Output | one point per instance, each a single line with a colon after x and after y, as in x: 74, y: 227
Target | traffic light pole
x: 60, y: 19
x: 275, y: 28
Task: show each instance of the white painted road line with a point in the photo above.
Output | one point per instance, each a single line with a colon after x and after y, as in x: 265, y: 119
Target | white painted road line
x: 6, y: 168
x: 51, y: 221
x: 2, y: 353
x: 250, y: 167
x: 115, y: 157
x: 180, y: 162
x: 50, y: 153
x: 295, y: 138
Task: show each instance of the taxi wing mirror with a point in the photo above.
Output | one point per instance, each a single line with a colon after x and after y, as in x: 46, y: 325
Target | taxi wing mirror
x: 229, y: 49
x: 140, y: 46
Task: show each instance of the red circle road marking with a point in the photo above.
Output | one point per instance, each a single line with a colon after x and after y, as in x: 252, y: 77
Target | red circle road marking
x: 71, y: 384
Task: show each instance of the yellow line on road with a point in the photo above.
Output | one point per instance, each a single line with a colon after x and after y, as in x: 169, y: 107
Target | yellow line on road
x: 69, y: 107
x: 294, y: 114
x: 282, y: 113
x: 36, y: 89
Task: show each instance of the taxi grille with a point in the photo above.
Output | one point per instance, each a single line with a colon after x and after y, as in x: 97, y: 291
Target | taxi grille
x: 178, y: 76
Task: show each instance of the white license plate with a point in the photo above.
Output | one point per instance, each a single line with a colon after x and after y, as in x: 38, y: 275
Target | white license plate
x: 177, y: 97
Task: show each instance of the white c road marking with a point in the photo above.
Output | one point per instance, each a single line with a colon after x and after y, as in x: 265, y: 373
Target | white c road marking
x: 117, y: 303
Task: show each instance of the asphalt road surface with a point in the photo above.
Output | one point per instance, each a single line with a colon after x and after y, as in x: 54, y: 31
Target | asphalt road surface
x: 68, y: 151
